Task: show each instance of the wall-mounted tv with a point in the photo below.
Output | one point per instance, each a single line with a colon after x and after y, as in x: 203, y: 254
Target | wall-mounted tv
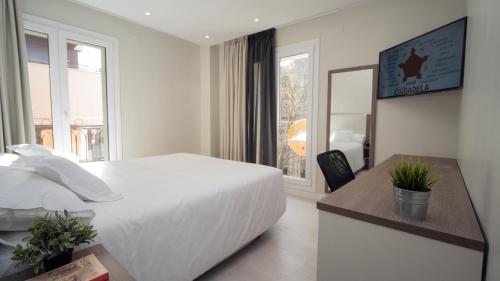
x: 431, y: 62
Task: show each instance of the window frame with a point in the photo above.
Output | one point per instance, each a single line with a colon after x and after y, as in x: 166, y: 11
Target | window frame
x: 58, y: 34
x: 312, y: 48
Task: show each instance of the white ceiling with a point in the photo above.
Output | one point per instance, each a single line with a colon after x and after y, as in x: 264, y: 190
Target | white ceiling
x: 220, y: 19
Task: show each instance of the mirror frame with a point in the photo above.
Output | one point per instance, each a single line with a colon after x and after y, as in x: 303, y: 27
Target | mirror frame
x: 373, y: 116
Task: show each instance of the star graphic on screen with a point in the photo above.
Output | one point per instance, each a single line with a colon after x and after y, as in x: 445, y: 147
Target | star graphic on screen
x: 412, y: 66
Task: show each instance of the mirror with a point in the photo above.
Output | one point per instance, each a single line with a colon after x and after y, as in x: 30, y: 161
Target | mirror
x: 352, y: 101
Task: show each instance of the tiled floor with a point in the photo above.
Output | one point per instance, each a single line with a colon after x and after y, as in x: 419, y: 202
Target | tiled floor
x: 286, y: 252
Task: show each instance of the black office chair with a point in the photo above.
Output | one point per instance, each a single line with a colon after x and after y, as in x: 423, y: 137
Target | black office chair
x: 336, y: 169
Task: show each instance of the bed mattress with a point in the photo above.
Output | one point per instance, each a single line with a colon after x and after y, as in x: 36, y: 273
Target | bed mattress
x: 183, y: 213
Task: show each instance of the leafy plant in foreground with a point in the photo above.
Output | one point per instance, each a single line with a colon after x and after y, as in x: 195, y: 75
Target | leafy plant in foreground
x: 52, y: 235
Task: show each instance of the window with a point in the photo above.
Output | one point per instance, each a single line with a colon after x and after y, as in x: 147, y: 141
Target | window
x: 73, y: 89
x: 297, y: 109
x: 87, y: 100
x: 39, y: 76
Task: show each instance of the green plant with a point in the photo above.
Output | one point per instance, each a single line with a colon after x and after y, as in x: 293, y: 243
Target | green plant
x: 406, y: 175
x: 51, y: 235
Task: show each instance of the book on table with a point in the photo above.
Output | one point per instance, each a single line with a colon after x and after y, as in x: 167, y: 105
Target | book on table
x: 85, y: 269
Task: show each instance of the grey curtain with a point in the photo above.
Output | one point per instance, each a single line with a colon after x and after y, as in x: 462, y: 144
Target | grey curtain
x: 233, y: 100
x: 261, y: 111
x: 16, y: 121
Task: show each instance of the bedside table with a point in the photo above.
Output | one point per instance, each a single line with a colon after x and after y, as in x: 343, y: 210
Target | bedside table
x: 116, y: 271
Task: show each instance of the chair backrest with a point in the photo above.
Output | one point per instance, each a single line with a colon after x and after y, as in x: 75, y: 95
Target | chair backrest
x: 336, y: 169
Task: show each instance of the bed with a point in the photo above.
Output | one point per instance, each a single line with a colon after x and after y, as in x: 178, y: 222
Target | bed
x: 182, y: 213
x: 353, y: 152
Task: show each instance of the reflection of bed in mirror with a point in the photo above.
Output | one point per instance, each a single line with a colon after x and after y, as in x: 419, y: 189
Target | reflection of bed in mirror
x: 351, y: 144
x: 352, y: 114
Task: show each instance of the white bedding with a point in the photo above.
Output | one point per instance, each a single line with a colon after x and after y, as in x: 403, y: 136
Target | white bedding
x: 182, y: 213
x: 353, y: 152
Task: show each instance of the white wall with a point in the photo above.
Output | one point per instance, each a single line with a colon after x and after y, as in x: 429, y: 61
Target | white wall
x: 351, y: 100
x: 354, y: 36
x: 479, y: 129
x: 159, y: 79
x: 352, y: 92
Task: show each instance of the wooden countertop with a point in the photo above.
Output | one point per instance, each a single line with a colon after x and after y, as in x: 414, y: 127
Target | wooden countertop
x: 450, y: 216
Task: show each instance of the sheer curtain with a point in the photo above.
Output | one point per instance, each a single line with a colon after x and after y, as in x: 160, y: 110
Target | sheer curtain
x: 261, y: 110
x: 16, y: 121
x: 233, y: 100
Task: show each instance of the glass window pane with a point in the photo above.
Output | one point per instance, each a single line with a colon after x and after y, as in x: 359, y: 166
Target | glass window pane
x: 87, y: 101
x: 37, y: 45
x: 293, y: 113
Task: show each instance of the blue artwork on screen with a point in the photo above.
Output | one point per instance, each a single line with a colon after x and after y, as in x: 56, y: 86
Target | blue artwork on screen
x: 431, y: 62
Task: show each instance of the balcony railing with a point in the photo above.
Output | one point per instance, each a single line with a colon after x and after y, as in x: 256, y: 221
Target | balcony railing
x: 44, y: 135
x: 88, y: 142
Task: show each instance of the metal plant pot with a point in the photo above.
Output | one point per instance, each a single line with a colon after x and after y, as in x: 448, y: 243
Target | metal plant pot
x: 411, y: 204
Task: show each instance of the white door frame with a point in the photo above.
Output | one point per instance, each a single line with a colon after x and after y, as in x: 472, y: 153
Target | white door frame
x: 58, y: 34
x: 312, y: 48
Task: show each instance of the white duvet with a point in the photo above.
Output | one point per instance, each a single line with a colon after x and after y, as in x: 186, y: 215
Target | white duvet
x: 182, y: 213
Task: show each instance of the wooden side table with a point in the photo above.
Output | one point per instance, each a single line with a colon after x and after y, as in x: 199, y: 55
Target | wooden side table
x: 116, y: 271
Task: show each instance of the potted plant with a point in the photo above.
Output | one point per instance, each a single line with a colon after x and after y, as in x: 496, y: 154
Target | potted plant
x: 412, y: 188
x: 52, y: 240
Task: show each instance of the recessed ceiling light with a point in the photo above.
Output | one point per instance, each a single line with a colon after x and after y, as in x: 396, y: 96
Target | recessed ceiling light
x: 147, y: 13
x: 256, y: 20
x: 207, y: 36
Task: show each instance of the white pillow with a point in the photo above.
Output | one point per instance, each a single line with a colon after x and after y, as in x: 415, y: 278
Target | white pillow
x: 359, y: 138
x: 342, y: 135
x: 25, y: 195
x: 39, y: 150
x: 67, y: 173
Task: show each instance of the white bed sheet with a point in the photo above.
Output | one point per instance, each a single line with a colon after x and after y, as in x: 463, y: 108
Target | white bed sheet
x: 353, y: 152
x: 183, y: 213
